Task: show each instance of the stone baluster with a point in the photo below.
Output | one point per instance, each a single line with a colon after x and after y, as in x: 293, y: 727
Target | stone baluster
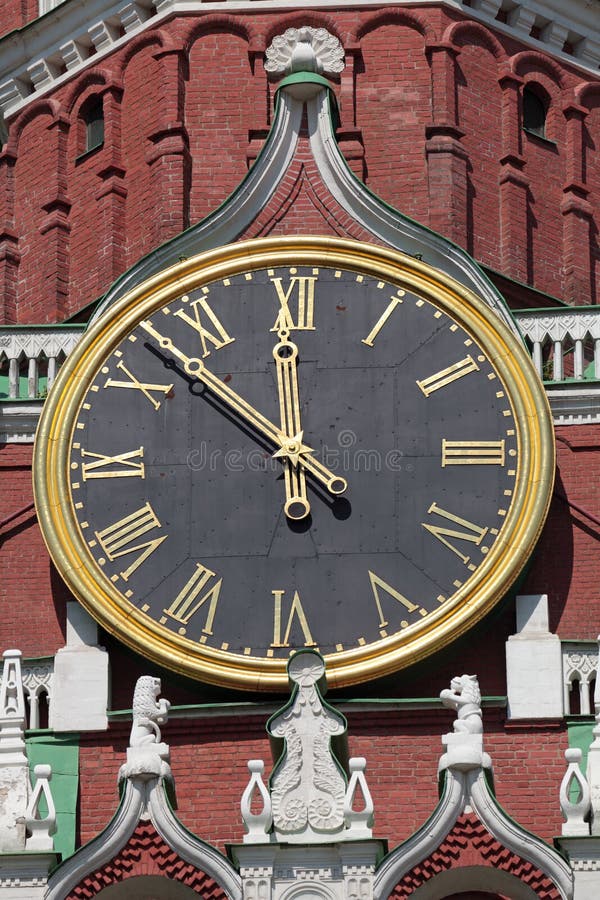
x: 41, y: 828
x: 257, y: 824
x: 359, y: 822
x: 14, y: 777
x: 574, y: 810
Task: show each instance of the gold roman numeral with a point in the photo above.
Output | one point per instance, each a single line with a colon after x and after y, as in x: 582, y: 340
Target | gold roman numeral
x: 376, y: 584
x: 121, y: 538
x: 123, y: 465
x: 472, y: 453
x: 448, y: 375
x: 296, y: 609
x: 472, y: 533
x: 394, y: 302
x: 135, y: 384
x: 188, y: 601
x: 303, y: 287
x: 203, y: 315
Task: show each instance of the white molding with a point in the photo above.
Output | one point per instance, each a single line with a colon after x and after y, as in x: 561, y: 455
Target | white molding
x: 34, y: 57
x: 462, y: 790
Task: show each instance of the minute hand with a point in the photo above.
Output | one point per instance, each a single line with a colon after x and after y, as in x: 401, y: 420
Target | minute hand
x: 196, y: 369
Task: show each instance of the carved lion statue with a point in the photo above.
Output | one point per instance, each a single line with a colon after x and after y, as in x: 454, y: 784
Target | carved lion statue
x: 148, y: 712
x: 464, y: 696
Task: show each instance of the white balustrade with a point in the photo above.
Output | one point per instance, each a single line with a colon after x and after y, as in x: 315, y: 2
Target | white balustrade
x: 564, y: 342
x: 30, y: 357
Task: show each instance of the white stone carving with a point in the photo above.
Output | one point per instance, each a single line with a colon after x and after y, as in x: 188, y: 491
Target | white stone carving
x: 359, y: 822
x: 14, y: 776
x: 307, y: 786
x: 563, y: 331
x: 574, y: 796
x: 593, y: 759
x: 464, y: 696
x: 36, y: 351
x: 467, y: 789
x: 40, y: 829
x: 579, y: 668
x: 257, y: 824
x: 37, y: 680
x: 143, y: 798
x: 533, y: 663
x: 147, y: 755
x: 81, y: 677
x: 304, y: 50
x: 464, y: 745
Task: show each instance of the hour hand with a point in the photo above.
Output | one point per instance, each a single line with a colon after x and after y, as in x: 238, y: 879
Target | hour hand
x: 286, y: 359
x: 287, y: 446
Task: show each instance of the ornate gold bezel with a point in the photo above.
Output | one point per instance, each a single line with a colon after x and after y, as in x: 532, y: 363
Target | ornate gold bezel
x: 486, y: 586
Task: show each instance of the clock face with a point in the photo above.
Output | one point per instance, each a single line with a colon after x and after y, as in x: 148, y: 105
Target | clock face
x: 291, y: 444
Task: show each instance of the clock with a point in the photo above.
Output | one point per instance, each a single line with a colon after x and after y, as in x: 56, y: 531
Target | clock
x: 293, y: 442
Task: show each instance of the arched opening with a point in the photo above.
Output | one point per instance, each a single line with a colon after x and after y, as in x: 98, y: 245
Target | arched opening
x: 535, y: 111
x: 92, y: 118
x: 148, y: 887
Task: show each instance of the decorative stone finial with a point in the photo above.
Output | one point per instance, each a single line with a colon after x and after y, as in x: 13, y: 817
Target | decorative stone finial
x: 257, y: 824
x: 308, y: 786
x: 305, y: 50
x: 465, y: 745
x: 358, y: 821
x: 593, y: 759
x: 41, y: 828
x: 576, y: 808
x: 147, y: 756
x: 14, y: 775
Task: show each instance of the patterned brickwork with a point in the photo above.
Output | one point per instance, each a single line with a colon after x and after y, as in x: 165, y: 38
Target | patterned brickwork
x: 429, y: 115
x: 469, y: 843
x: 146, y: 853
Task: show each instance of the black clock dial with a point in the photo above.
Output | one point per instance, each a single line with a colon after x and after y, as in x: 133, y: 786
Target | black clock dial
x: 289, y: 443
x: 183, y: 504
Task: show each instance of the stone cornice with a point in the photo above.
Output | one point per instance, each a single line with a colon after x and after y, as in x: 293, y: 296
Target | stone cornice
x: 50, y: 50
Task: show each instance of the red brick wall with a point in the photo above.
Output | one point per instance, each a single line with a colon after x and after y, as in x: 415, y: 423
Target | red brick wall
x: 209, y: 759
x: 192, y: 96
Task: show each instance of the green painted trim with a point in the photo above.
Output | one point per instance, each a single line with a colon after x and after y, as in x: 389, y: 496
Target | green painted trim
x: 304, y: 78
x: 580, y: 736
x: 62, y: 753
x: 118, y: 715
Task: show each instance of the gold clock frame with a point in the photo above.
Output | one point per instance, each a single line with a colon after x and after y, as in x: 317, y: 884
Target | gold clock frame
x: 482, y: 590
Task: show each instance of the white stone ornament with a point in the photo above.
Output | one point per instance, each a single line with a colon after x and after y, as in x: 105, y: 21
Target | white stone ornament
x: 305, y: 50
x: 358, y: 821
x: 464, y: 746
x: 41, y: 829
x: 575, y: 810
x: 257, y: 824
x: 14, y: 775
x: 147, y: 756
x: 307, y: 786
x: 593, y: 759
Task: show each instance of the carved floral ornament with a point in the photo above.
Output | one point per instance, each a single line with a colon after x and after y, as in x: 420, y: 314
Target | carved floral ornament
x: 305, y: 49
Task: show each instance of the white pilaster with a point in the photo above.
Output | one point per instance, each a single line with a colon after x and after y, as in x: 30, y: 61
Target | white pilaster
x: 534, y: 663
x: 81, y: 677
x: 14, y: 776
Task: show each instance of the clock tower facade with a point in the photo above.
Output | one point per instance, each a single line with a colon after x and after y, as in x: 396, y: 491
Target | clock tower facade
x: 299, y: 349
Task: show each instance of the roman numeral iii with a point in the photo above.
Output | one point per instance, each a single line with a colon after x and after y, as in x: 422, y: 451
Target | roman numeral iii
x: 472, y: 453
